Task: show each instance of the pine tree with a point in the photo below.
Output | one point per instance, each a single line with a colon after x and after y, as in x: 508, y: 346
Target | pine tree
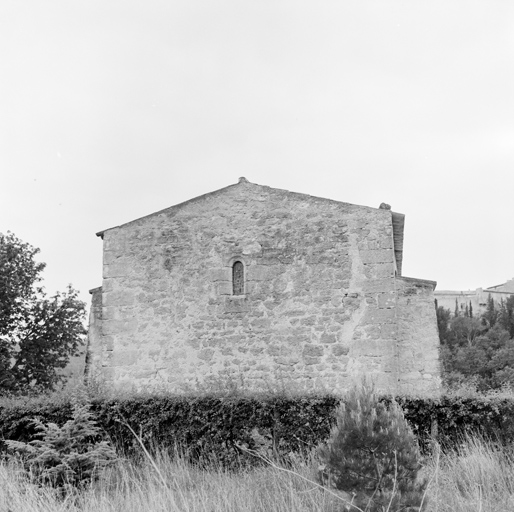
x: 67, y: 456
x: 372, y: 454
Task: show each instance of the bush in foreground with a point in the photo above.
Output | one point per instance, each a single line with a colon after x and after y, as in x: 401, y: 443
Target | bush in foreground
x: 373, y: 455
x: 71, y: 455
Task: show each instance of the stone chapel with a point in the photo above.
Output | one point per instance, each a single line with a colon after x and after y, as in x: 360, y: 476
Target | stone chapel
x: 266, y: 288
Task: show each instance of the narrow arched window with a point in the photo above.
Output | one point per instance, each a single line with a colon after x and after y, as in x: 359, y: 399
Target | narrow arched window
x: 238, y: 278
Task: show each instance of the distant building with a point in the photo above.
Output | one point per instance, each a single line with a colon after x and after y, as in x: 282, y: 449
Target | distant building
x: 476, y: 298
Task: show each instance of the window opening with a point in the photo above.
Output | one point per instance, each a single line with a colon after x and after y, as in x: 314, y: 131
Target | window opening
x: 238, y: 278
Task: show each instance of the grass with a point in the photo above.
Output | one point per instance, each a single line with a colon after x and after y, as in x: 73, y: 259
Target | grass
x: 173, y: 485
x: 476, y: 477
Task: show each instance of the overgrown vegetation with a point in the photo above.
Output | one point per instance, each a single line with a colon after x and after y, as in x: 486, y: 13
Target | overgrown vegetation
x: 209, y: 427
x: 371, y: 440
x: 64, y: 457
x: 478, y: 352
x: 278, y: 433
x: 476, y: 477
x: 214, y: 427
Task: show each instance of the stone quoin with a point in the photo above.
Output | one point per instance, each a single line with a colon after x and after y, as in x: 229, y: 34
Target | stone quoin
x: 266, y: 287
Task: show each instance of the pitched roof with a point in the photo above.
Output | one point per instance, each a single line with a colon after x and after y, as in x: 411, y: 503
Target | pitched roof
x: 398, y: 236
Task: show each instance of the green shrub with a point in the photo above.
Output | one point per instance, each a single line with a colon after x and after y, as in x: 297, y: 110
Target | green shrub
x: 212, y: 427
x: 71, y: 455
x: 372, y: 454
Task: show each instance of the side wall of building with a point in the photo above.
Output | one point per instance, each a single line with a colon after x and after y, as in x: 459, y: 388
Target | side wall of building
x: 418, y: 339
x: 95, y: 350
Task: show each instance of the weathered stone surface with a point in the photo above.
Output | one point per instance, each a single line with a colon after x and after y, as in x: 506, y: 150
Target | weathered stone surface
x: 387, y: 300
x: 417, y: 333
x: 321, y: 305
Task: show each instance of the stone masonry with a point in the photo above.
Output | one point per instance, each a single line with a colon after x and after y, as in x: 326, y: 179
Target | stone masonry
x: 322, y: 303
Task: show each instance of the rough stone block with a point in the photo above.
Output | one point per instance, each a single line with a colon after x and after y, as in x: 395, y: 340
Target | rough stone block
x: 379, y: 316
x: 260, y: 323
x: 386, y: 242
x: 387, y: 300
x: 288, y: 361
x: 125, y: 357
x: 313, y: 350
x: 385, y: 270
x: 388, y: 331
x: 378, y: 285
x: 108, y: 342
x: 328, y: 338
x: 377, y: 256
x: 259, y: 272
x: 220, y: 274
x: 340, y: 350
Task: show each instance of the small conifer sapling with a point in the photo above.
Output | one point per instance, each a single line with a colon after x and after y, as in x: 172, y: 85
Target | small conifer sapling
x: 373, y: 455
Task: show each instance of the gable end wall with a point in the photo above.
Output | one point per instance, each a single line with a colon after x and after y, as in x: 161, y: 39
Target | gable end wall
x: 319, y: 309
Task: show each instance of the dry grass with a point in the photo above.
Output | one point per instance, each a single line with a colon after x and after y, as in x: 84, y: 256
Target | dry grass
x: 477, y: 477
x: 174, y: 486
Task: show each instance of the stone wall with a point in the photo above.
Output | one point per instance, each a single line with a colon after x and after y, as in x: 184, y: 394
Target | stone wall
x: 418, y: 338
x: 318, y: 309
x: 95, y: 353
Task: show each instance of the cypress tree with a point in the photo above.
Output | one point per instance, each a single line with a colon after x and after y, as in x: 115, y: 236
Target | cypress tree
x: 491, y: 314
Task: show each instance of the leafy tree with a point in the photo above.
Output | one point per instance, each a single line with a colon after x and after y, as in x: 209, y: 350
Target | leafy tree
x: 477, y: 355
x: 38, y: 334
x: 464, y: 331
x: 478, y: 351
x: 373, y: 455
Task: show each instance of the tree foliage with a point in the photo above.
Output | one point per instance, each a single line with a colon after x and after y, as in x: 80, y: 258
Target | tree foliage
x: 443, y: 322
x: 506, y: 315
x: 67, y: 456
x: 478, y: 351
x: 491, y: 314
x: 38, y: 334
x: 372, y: 454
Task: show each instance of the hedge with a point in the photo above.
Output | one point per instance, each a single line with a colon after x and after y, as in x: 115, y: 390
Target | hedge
x: 211, y: 427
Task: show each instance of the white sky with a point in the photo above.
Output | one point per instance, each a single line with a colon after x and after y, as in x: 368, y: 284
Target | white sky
x: 111, y: 109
